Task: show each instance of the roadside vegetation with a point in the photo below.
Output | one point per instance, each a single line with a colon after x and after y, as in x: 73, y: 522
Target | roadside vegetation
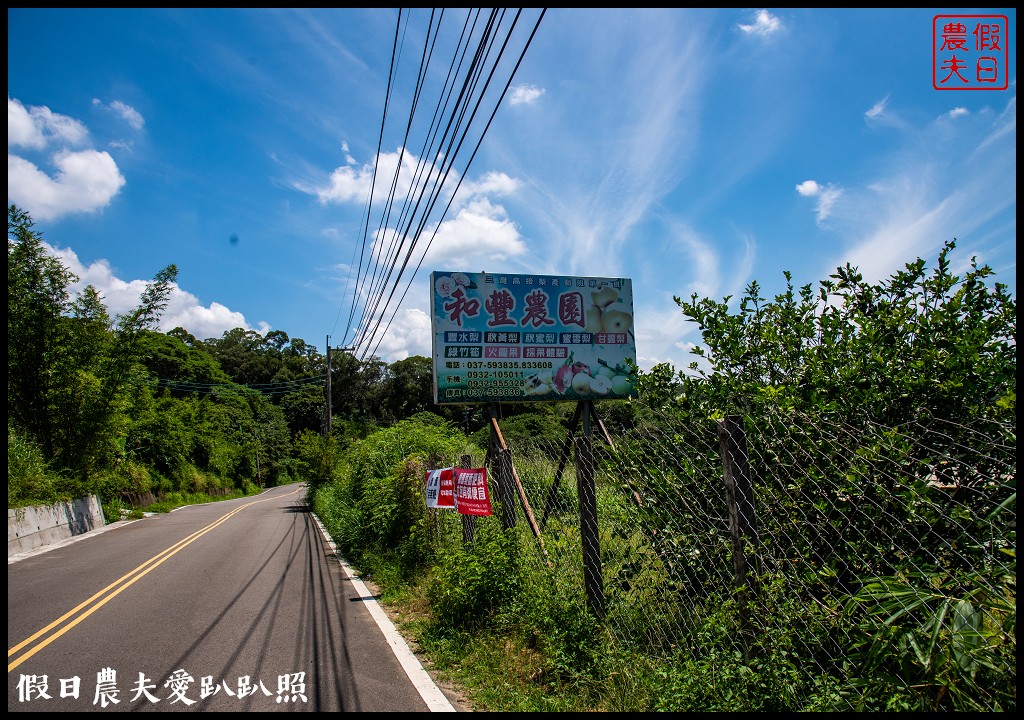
x: 149, y: 420
x: 908, y: 599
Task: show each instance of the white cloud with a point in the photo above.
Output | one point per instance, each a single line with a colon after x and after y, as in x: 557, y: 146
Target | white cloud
x: 348, y: 184
x: 85, y: 181
x: 352, y: 183
x: 349, y: 160
x: 120, y: 297
x: 493, y: 183
x: 130, y: 114
x: 951, y: 185
x: 36, y: 127
x: 827, y: 196
x: 744, y: 268
x: 594, y: 193
x: 184, y: 311
x: 1004, y: 126
x: 524, y: 94
x: 409, y: 333
x: 880, y: 114
x: 690, y: 264
x: 658, y: 329
x: 956, y: 112
x: 808, y: 188
x: 704, y: 267
x: 22, y: 131
x: 764, y: 24
x: 478, y: 234
x: 899, y: 236
x: 877, y: 109
x: 478, y: 237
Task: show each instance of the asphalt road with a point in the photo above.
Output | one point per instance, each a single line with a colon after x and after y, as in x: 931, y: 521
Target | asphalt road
x: 233, y: 606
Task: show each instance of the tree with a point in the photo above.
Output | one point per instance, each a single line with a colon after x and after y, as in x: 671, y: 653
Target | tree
x: 68, y: 370
x: 938, y: 343
x: 304, y: 409
x: 408, y: 388
x: 357, y: 387
x: 252, y: 359
x: 185, y: 368
x: 920, y: 361
x: 241, y: 354
x: 37, y: 299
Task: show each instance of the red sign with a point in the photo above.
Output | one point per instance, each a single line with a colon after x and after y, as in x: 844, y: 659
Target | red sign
x: 970, y: 52
x: 471, y: 496
x: 441, y: 488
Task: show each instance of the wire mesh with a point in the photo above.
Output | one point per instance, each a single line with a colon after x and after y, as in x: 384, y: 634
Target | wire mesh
x: 874, y: 560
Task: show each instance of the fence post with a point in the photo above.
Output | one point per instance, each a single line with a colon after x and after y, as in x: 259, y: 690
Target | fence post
x: 509, y: 514
x: 468, y: 521
x: 588, y: 519
x: 739, y: 492
x: 501, y: 465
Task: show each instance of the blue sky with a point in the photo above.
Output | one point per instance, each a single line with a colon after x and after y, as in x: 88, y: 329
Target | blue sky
x: 690, y: 150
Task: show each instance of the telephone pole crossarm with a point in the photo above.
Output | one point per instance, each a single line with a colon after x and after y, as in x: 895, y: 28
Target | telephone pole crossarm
x: 327, y: 386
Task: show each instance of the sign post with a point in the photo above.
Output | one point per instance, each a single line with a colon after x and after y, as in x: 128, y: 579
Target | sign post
x: 533, y: 338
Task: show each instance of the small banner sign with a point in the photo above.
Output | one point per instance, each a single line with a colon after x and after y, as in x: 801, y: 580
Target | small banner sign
x: 441, y: 488
x: 471, y: 496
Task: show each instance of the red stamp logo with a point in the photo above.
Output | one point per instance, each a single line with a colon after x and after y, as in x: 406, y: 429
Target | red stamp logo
x: 970, y: 52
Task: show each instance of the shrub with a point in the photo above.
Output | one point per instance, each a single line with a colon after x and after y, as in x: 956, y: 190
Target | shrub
x: 30, y: 480
x: 470, y: 584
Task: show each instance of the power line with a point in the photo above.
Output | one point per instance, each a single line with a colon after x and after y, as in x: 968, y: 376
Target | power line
x: 278, y: 388
x: 462, y: 176
x: 445, y: 155
x: 388, y: 258
x: 395, y: 54
x: 428, y: 178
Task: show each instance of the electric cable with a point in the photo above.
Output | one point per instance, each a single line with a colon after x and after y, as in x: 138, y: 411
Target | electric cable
x: 462, y: 175
x: 429, y: 178
x: 390, y: 261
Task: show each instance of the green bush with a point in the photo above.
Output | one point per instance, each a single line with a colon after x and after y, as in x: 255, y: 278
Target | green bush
x: 116, y: 509
x: 527, y: 433
x: 383, y: 480
x: 561, y: 627
x: 30, y: 480
x: 710, y: 673
x: 471, y: 584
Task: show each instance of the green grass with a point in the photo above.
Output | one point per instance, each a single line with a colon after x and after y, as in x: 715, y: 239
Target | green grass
x: 176, y: 500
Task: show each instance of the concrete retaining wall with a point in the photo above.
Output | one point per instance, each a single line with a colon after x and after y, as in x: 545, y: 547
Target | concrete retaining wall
x: 32, y: 527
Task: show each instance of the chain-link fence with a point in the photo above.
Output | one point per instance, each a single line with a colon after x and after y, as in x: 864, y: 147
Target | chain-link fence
x: 875, y: 565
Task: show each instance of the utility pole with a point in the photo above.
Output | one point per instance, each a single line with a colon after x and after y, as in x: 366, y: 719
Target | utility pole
x: 327, y: 403
x: 328, y: 425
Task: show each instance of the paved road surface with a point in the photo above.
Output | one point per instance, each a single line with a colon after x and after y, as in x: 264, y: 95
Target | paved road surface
x: 240, y: 605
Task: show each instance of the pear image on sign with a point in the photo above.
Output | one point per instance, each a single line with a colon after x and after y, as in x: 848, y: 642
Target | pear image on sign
x: 615, y: 318
x: 607, y: 313
x: 540, y: 383
x: 579, y: 379
x: 618, y: 377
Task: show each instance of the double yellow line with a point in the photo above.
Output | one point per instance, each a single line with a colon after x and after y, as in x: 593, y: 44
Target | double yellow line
x: 109, y: 593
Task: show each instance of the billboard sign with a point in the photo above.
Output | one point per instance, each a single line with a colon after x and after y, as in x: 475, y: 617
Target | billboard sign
x: 524, y: 338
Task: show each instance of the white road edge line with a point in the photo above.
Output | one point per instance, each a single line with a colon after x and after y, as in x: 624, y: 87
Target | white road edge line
x: 421, y: 680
